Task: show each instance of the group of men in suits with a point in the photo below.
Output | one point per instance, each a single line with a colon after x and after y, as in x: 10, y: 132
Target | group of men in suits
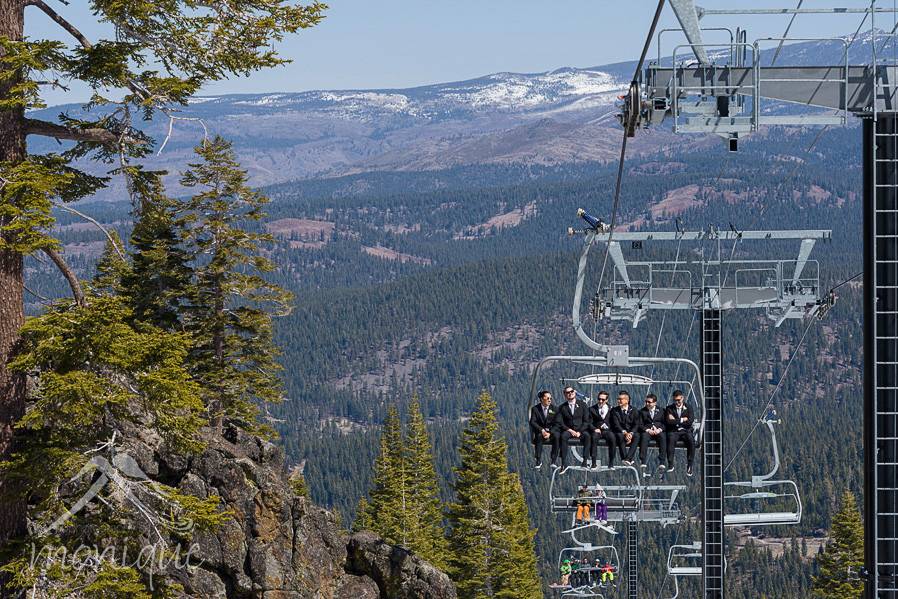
x: 624, y: 428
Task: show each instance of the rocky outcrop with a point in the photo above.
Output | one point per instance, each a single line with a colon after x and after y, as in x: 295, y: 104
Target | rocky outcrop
x: 397, y: 572
x: 277, y: 545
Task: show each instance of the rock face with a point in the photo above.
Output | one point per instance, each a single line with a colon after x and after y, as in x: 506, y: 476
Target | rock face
x: 277, y: 545
x: 397, y: 572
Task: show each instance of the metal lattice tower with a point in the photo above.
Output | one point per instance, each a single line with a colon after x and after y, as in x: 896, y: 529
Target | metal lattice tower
x: 881, y: 350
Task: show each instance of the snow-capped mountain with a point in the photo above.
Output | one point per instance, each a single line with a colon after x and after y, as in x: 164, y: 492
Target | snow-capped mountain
x: 565, y: 115
x: 502, y: 92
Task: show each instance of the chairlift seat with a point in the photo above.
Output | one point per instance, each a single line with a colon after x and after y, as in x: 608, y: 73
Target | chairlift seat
x: 761, y: 518
x: 685, y: 571
x: 653, y: 442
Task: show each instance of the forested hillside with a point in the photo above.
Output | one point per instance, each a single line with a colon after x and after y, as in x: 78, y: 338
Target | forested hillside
x: 448, y: 283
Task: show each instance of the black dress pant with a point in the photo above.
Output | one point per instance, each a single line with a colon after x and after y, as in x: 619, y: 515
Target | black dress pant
x: 628, y: 452
x: 538, y: 443
x: 662, y: 446
x: 610, y: 440
x: 566, y: 440
x: 672, y: 439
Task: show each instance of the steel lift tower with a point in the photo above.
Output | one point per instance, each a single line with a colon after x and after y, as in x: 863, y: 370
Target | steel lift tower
x: 719, y: 89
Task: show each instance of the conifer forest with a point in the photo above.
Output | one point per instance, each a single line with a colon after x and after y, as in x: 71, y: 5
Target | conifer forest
x: 283, y: 344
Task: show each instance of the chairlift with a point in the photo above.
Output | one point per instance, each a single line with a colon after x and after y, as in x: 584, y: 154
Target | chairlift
x: 620, y: 378
x: 764, y: 489
x: 684, y: 560
x: 587, y: 579
x: 623, y: 492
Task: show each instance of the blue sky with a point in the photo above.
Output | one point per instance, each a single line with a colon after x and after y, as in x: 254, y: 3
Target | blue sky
x: 388, y: 43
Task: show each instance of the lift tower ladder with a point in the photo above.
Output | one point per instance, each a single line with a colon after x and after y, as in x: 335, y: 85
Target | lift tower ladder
x: 632, y: 559
x: 712, y: 450
x: 701, y: 95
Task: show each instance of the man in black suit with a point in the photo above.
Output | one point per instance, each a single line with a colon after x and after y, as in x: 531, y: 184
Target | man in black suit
x: 572, y: 424
x: 679, y: 420
x: 601, y: 427
x: 626, y: 423
x: 542, y: 427
x: 653, y: 428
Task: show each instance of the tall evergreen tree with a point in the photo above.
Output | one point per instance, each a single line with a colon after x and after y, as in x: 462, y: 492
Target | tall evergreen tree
x: 385, y: 510
x: 157, y: 280
x: 230, y: 303
x: 843, y: 556
x: 427, y: 536
x: 160, y: 54
x: 491, y: 539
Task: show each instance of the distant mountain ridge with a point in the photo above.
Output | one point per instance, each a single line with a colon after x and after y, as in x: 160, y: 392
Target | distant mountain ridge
x: 554, y: 117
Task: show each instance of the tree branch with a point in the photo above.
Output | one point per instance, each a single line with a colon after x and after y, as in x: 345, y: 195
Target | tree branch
x: 47, y: 129
x: 61, y: 21
x: 96, y: 223
x: 68, y: 273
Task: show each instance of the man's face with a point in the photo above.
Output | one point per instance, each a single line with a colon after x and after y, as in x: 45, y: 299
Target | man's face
x: 650, y: 403
x: 679, y: 399
x: 570, y: 394
x: 623, y: 400
x: 603, y: 399
x: 546, y: 400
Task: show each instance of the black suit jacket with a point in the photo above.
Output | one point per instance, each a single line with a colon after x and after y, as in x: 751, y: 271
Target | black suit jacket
x: 626, y: 423
x: 660, y: 419
x: 538, y: 422
x: 673, y: 423
x: 596, y: 420
x: 578, y: 421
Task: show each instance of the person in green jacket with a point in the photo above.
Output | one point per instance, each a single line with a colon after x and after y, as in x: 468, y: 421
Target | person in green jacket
x: 565, y: 573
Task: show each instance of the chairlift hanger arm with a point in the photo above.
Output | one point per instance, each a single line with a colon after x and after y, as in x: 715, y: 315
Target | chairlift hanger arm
x: 716, y: 234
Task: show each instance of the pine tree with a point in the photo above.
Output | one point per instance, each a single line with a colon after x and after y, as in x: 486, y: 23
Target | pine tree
x: 491, y: 540
x: 156, y: 283
x: 230, y: 303
x: 155, y: 57
x: 112, y: 268
x: 427, y: 535
x: 843, y: 556
x: 385, y: 511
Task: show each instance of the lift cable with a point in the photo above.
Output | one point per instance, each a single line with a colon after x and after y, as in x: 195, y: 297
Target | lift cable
x: 825, y: 128
x: 664, y: 316
x: 783, y: 376
x: 846, y: 281
x: 779, y: 384
x: 779, y: 48
x: 623, y: 150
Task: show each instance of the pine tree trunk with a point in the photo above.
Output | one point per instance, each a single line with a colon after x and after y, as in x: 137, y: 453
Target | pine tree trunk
x: 12, y: 314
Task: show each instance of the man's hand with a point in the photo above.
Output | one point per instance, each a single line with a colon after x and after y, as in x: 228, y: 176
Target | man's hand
x: 671, y: 417
x: 575, y: 434
x: 545, y: 434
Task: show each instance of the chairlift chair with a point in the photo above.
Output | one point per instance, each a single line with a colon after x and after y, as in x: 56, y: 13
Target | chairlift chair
x: 684, y: 560
x: 619, y: 377
x: 764, y: 488
x: 592, y: 586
